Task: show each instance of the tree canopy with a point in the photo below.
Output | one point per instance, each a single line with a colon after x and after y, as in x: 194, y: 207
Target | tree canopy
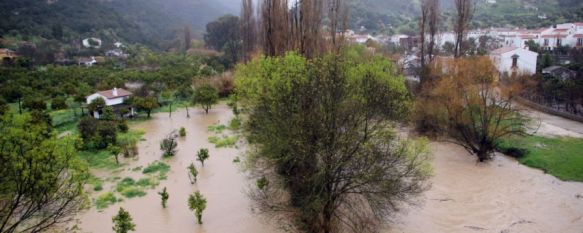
x: 324, y: 137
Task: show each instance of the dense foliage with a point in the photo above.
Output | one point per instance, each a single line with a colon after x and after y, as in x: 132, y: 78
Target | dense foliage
x: 42, y: 179
x: 323, y: 131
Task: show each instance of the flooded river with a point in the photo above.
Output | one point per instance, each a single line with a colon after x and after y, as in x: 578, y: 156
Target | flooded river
x: 228, y: 207
x: 500, y: 196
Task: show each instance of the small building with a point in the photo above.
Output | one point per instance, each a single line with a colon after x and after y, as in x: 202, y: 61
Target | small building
x: 7, y: 56
x: 87, y: 61
x: 115, y: 98
x: 513, y: 59
x: 92, y: 43
x: 559, y: 72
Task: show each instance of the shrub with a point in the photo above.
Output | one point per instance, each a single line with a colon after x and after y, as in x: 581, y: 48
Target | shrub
x: 182, y: 132
x: 123, y: 126
x: 59, y: 103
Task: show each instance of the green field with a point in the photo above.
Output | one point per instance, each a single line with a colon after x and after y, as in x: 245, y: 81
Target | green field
x: 561, y: 157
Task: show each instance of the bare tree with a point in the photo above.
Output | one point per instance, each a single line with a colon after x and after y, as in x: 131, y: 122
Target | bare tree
x: 433, y: 27
x: 187, y: 38
x: 422, y: 31
x: 299, y: 28
x: 248, y: 29
x: 464, y: 14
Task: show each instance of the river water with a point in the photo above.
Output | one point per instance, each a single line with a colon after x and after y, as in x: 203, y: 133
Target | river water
x: 499, y: 196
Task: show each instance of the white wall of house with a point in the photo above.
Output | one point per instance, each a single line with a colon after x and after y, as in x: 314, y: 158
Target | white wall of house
x: 108, y: 102
x: 526, y: 61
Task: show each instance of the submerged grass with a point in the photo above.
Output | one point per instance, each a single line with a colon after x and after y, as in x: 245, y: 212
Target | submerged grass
x: 217, y: 128
x: 224, y: 141
x: 561, y: 157
x: 99, y: 159
x: 105, y: 200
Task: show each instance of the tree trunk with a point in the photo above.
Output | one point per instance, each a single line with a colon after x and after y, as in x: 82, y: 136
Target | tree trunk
x: 19, y: 106
x: 187, y: 113
x: 170, y: 110
x: 148, y: 112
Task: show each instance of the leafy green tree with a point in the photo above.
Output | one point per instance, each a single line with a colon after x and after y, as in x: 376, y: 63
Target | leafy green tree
x: 323, y: 130
x: 59, y: 103
x: 115, y: 151
x: 222, y: 31
x: 164, y: 197
x: 202, y: 155
x: 107, y: 114
x: 206, y: 96
x: 96, y: 104
x: 147, y: 104
x: 123, y: 222
x: 197, y: 203
x: 168, y: 99
x: 185, y: 93
x: 4, y: 107
x: 34, y: 103
x: 192, y: 173
x: 42, y: 178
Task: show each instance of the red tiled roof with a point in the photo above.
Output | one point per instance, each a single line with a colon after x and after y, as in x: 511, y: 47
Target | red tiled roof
x: 555, y: 36
x: 528, y: 36
x: 578, y: 24
x: 120, y: 93
x: 503, y: 50
x: 561, y: 30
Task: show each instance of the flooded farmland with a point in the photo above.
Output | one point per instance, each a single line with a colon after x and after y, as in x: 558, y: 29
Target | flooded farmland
x: 500, y: 196
x: 228, y: 208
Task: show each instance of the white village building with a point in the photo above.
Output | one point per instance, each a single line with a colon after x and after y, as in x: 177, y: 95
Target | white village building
x: 513, y: 59
x: 114, y: 98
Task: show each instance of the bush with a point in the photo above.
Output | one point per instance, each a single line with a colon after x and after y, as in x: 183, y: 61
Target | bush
x: 157, y: 167
x: 34, y: 104
x: 182, y: 132
x: 59, y: 103
x: 123, y: 126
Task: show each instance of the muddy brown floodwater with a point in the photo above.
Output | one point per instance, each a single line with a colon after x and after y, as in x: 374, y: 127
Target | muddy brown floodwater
x: 228, y: 207
x: 499, y: 196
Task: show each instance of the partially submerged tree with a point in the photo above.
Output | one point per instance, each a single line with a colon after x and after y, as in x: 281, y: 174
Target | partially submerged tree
x: 197, y: 203
x: 115, y: 151
x: 323, y: 130
x: 192, y: 173
x: 202, y: 155
x: 473, y: 107
x: 123, y: 222
x: 42, y: 180
x: 169, y: 144
x: 206, y: 95
x: 164, y: 197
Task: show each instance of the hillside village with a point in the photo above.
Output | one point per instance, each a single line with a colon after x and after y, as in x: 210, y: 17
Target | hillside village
x: 557, y: 39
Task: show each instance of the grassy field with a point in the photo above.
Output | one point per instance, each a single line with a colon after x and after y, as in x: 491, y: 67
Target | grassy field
x: 561, y: 157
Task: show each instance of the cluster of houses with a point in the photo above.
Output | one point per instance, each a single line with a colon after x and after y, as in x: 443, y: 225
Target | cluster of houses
x: 510, y: 46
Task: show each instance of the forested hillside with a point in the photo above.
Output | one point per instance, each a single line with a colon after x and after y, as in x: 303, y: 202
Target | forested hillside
x: 397, y: 16
x: 152, y: 22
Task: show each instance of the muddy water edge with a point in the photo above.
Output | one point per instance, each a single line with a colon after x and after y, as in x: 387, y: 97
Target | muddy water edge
x: 220, y: 181
x: 498, y: 196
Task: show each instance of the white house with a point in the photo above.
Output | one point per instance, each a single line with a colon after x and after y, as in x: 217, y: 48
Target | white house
x: 87, y: 61
x: 514, y: 59
x: 114, y: 98
x: 92, y: 43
